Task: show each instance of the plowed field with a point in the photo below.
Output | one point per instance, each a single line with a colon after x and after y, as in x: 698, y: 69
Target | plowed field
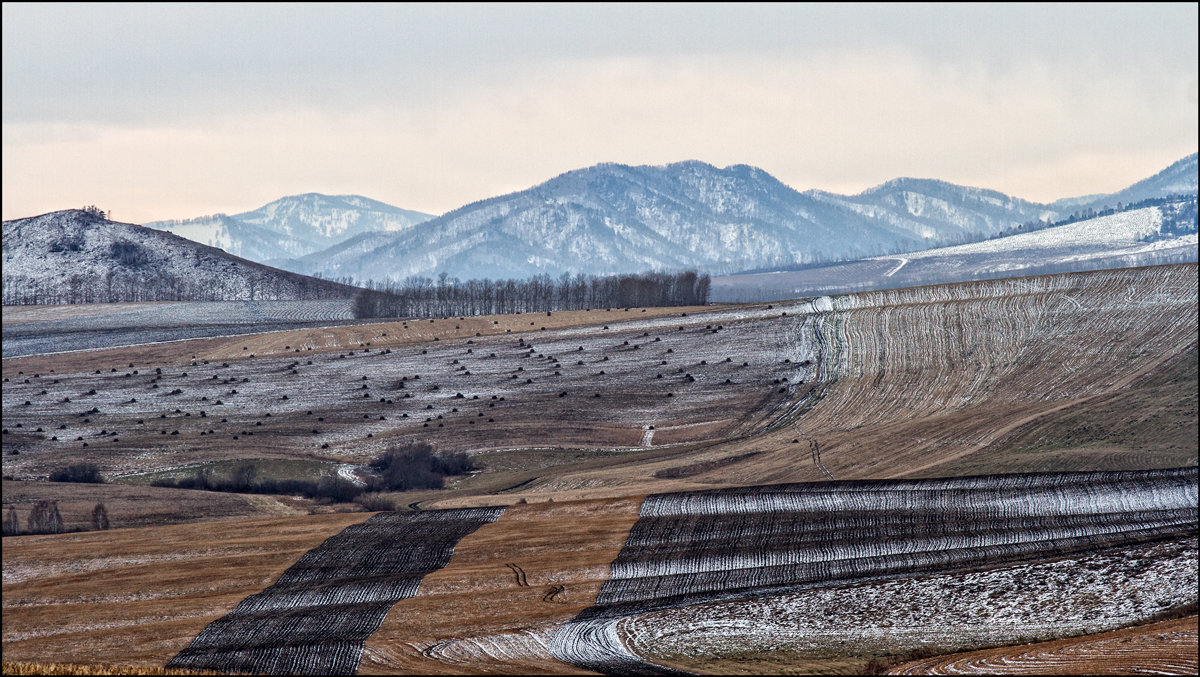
x: 617, y: 585
x: 809, y: 485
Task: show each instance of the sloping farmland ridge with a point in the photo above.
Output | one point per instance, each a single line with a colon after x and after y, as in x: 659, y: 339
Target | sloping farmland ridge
x: 699, y: 547
x: 1164, y: 648
x: 544, y: 587
x: 822, y: 485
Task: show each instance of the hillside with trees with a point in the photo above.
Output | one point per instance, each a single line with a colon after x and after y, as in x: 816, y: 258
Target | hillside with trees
x: 78, y: 256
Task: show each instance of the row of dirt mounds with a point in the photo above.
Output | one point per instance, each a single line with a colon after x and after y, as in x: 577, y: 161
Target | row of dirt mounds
x: 586, y: 386
x: 696, y: 547
x: 317, y: 615
x: 885, y: 384
x: 1164, y: 648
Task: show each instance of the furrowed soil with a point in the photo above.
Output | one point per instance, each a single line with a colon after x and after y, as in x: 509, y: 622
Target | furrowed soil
x: 480, y: 615
x: 140, y: 596
x: 1151, y: 423
x: 27, y: 314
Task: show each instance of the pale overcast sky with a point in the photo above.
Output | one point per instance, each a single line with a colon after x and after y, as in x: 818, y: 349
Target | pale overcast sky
x: 173, y: 111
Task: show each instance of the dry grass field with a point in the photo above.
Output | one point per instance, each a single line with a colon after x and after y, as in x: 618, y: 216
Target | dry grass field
x: 138, y: 596
x: 26, y: 314
x: 92, y: 669
x: 1164, y: 648
x: 573, y: 419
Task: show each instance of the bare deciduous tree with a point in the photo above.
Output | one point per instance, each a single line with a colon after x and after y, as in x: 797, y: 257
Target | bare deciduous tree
x: 45, y: 518
x: 12, y: 526
x: 100, y: 517
x: 422, y: 297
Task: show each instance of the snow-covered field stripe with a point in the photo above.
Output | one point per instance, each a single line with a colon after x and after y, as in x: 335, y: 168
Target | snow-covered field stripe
x: 316, y: 617
x: 695, y: 547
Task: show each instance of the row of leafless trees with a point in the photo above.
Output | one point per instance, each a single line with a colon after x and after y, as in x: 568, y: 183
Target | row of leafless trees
x: 45, y: 518
x: 423, y: 297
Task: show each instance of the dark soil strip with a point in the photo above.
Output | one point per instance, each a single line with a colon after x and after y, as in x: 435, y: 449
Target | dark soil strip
x: 316, y: 617
x: 694, y: 547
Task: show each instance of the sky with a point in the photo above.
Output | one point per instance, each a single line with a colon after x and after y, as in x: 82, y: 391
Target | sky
x: 163, y: 111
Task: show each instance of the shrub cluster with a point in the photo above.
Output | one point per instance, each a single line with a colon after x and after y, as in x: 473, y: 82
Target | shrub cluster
x: 416, y: 466
x: 78, y: 472
x: 129, y: 254
x: 45, y: 519
x: 12, y: 525
x: 244, y: 480
x: 411, y: 466
x: 373, y: 502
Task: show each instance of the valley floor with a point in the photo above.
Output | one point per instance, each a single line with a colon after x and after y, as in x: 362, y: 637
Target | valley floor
x: 577, y: 421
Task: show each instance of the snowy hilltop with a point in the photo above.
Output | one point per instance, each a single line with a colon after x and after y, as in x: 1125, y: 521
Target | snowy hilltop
x: 293, y: 226
x: 77, y: 256
x: 613, y: 218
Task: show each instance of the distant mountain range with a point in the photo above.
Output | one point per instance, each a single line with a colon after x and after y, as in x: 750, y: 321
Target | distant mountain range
x: 293, y: 226
x: 77, y: 256
x: 604, y: 219
x: 1164, y: 232
x: 1178, y: 179
x: 613, y: 218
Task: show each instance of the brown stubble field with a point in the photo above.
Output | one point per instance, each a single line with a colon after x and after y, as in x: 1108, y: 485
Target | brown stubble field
x: 1165, y: 647
x: 1081, y: 371
x: 138, y: 596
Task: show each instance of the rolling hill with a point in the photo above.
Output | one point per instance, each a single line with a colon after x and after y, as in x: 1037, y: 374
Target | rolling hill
x: 613, y: 218
x: 293, y: 226
x: 76, y: 256
x: 1135, y: 237
x: 938, y: 469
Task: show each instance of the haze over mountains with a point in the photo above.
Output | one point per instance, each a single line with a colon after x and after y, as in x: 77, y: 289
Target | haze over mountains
x: 1160, y: 233
x: 293, y: 226
x: 613, y: 218
x: 605, y: 219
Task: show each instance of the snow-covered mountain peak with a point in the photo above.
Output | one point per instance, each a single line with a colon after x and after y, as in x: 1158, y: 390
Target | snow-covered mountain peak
x: 617, y: 218
x: 295, y: 225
